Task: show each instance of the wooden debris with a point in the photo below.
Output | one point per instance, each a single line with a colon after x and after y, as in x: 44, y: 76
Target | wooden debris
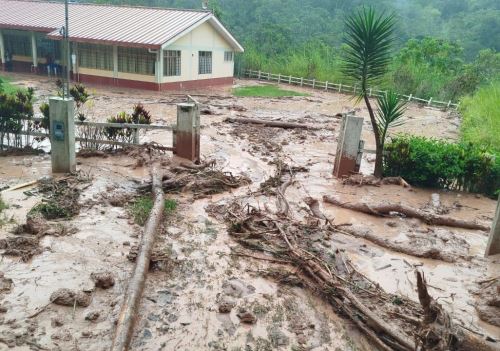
x: 129, y: 310
x: 386, y: 209
x: 275, y: 124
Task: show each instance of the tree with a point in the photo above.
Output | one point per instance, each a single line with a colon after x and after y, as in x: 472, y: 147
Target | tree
x: 390, y: 110
x: 368, y: 40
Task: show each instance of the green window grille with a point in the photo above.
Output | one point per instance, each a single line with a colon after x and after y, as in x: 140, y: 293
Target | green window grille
x: 95, y: 56
x: 134, y: 60
x: 17, y: 43
x: 47, y: 48
x: 172, y: 63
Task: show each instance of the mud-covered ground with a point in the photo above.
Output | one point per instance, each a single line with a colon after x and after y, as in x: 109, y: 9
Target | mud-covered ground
x: 183, y: 298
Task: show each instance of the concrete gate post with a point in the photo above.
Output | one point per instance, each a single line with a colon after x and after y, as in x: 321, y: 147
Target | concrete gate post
x: 62, y: 135
x: 187, y: 133
x: 493, y: 246
x: 347, y: 160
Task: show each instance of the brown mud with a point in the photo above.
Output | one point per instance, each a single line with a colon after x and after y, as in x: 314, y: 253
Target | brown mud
x: 208, y: 294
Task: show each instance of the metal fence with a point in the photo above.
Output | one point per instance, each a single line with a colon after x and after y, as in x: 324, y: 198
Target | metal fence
x: 90, y: 135
x: 340, y: 88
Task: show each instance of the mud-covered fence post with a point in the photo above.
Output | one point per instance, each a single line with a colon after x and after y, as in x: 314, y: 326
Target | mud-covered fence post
x: 493, y: 246
x: 347, y: 157
x: 62, y: 135
x: 187, y: 133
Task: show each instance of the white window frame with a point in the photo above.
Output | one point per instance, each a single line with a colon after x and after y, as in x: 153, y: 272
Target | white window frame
x: 205, y: 63
x: 172, y: 60
x: 228, y: 56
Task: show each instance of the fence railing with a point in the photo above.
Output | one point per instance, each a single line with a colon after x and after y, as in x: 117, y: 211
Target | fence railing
x: 340, y: 88
x: 89, y: 134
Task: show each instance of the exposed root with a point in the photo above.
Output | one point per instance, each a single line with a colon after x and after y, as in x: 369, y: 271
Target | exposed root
x: 201, y: 180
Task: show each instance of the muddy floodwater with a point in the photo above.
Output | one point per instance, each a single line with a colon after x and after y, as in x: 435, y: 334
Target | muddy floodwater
x: 181, y: 304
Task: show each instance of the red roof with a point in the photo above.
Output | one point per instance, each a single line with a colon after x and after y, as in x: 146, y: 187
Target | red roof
x: 104, y: 24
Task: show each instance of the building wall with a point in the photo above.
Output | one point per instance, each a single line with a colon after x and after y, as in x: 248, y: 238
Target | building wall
x: 202, y: 38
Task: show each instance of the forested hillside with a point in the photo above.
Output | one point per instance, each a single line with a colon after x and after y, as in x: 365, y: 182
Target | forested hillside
x: 445, y: 48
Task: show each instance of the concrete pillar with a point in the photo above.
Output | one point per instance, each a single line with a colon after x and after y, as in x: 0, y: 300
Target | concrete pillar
x: 2, y: 51
x: 159, y: 70
x: 493, y: 246
x: 187, y: 134
x: 34, y: 53
x: 62, y: 135
x: 346, y: 158
x: 115, y: 62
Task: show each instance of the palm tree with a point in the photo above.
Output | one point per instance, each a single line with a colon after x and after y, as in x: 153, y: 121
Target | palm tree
x: 368, y: 40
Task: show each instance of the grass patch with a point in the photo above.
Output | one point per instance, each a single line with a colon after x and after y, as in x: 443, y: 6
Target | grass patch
x: 481, y: 117
x: 3, y: 205
x: 265, y: 91
x: 7, y: 87
x: 142, y: 206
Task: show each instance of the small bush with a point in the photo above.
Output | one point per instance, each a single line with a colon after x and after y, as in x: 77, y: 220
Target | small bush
x: 3, y: 205
x: 440, y: 164
x: 142, y: 206
x: 51, y: 210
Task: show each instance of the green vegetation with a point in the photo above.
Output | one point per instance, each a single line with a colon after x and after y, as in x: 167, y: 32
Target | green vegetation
x: 7, y: 87
x: 265, y: 91
x: 368, y: 42
x: 440, y: 164
x: 51, y: 210
x: 481, y: 117
x: 142, y: 206
x: 3, y: 205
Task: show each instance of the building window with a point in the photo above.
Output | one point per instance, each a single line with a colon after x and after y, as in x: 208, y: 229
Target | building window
x: 171, y: 63
x: 228, y: 56
x: 17, y: 43
x: 205, y: 62
x: 95, y: 56
x: 134, y: 60
x: 48, y: 49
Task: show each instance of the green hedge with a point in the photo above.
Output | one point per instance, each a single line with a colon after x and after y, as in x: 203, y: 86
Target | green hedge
x: 440, y: 164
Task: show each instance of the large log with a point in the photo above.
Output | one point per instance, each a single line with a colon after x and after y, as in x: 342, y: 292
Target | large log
x: 128, y: 313
x: 386, y: 209
x: 275, y: 124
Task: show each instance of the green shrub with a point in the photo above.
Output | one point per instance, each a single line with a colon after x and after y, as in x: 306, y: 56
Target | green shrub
x: 3, y: 205
x: 51, y: 210
x: 441, y: 164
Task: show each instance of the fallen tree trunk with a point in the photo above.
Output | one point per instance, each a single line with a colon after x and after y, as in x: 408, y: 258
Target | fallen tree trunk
x: 405, y: 248
x: 275, y: 124
x: 126, y: 320
x: 386, y: 209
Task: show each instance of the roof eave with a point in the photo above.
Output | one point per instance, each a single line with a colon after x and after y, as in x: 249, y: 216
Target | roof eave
x: 106, y: 42
x: 26, y: 28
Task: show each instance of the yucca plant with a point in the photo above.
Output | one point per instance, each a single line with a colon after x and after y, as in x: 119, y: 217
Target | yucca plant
x: 390, y: 110
x: 368, y: 38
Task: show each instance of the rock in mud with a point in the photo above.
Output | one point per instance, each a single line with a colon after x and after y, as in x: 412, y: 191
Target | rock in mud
x: 67, y: 297
x: 246, y: 316
x: 92, y: 316
x: 236, y: 288
x: 226, y: 304
x: 56, y: 322
x: 63, y: 335
x: 103, y: 280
